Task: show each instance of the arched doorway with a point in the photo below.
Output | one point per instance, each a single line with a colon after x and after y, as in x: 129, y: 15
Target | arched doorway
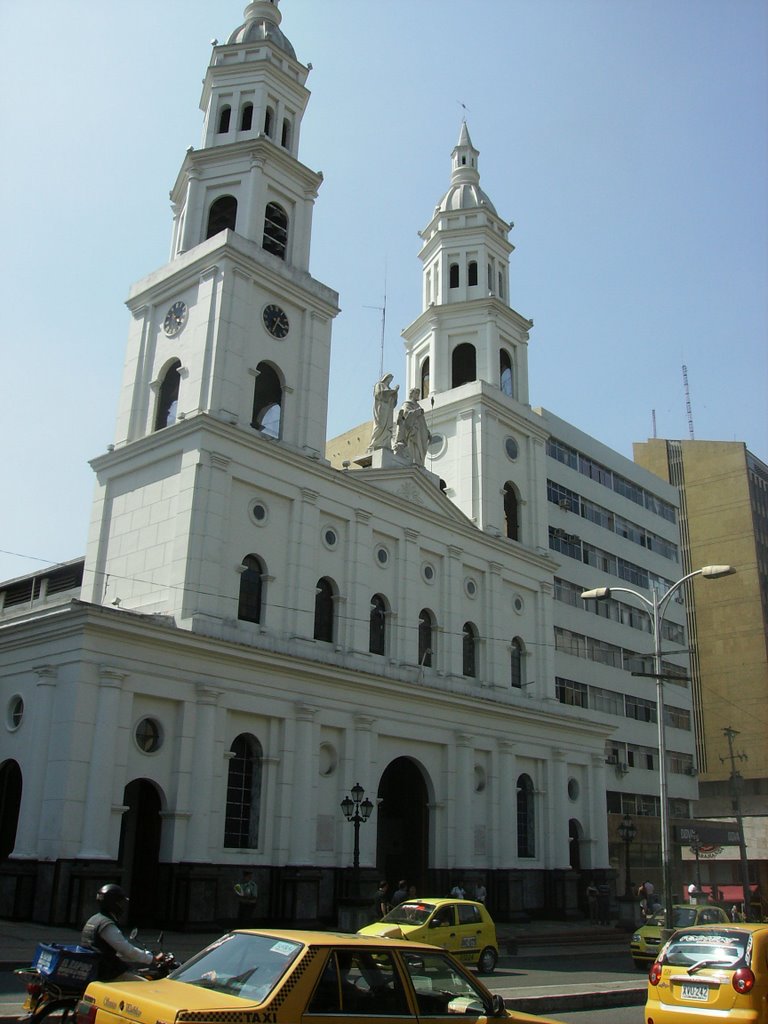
x: 10, y: 803
x: 402, y: 840
x: 139, y: 853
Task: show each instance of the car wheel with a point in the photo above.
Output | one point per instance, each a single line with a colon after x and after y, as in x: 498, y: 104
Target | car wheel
x: 486, y: 962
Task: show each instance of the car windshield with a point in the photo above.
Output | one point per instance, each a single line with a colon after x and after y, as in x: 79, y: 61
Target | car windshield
x: 415, y: 912
x: 241, y: 964
x: 715, y: 948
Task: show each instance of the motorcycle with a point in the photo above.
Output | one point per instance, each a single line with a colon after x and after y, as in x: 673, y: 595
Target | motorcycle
x: 60, y: 974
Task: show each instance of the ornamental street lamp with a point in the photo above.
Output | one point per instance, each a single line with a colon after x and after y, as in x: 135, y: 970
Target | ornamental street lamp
x: 656, y: 608
x: 356, y: 809
x: 627, y: 833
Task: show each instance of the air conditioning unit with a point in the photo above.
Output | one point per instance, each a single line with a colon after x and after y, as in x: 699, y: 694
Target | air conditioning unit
x: 565, y: 503
x: 622, y: 769
x: 612, y: 759
x: 691, y: 770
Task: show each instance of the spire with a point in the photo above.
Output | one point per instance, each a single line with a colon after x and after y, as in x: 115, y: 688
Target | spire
x: 262, y: 21
x: 465, y: 188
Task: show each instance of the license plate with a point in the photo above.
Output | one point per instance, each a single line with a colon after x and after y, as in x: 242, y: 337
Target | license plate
x: 699, y: 993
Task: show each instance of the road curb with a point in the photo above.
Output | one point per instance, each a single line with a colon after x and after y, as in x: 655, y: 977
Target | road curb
x: 566, y: 1002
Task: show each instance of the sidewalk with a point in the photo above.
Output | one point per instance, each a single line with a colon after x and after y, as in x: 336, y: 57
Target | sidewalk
x: 18, y: 940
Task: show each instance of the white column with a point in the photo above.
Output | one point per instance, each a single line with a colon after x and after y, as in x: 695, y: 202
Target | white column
x: 496, y: 658
x: 98, y: 797
x: 203, y: 771
x: 192, y: 230
x: 408, y: 610
x: 366, y: 773
x: 558, y: 855
x: 451, y: 654
x: 34, y: 770
x: 597, y: 827
x: 463, y: 815
x: 304, y: 816
x: 506, y: 808
x: 360, y: 592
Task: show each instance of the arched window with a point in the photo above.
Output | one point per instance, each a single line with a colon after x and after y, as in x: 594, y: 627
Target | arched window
x: 267, y: 401
x: 425, y: 378
x: 463, y: 365
x: 269, y: 121
x: 426, y: 640
x: 241, y: 822
x: 505, y: 372
x: 511, y: 512
x: 225, y: 115
x: 275, y: 230
x: 469, y: 650
x: 526, y: 821
x: 501, y: 285
x: 246, y: 118
x: 222, y: 215
x: 472, y: 273
x: 10, y: 804
x: 516, y: 664
x: 324, y: 610
x: 285, y: 136
x: 453, y: 275
x: 168, y: 397
x: 377, y: 630
x: 249, y: 604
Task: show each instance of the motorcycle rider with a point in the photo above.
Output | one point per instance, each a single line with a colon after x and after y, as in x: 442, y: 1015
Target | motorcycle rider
x: 102, y: 934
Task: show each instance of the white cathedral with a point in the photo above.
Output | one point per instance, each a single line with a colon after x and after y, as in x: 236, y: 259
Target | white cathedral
x: 260, y: 623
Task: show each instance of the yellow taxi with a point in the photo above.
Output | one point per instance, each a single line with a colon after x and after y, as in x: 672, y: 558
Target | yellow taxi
x: 711, y: 973
x: 463, y: 927
x: 646, y: 941
x: 302, y: 977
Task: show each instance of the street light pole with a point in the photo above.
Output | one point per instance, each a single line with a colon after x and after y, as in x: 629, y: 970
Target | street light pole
x: 696, y: 847
x: 627, y: 833
x: 656, y: 609
x: 356, y: 810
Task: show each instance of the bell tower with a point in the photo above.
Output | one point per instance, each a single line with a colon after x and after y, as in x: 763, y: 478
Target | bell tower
x: 229, y: 342
x: 467, y: 352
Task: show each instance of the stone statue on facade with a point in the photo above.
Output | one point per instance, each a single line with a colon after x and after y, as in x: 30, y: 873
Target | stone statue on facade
x: 384, y: 402
x: 412, y: 435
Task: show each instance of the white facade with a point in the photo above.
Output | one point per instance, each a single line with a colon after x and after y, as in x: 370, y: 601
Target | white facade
x: 250, y: 607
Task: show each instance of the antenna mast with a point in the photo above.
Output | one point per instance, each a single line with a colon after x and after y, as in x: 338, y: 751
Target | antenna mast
x: 688, y: 402
x: 383, y: 311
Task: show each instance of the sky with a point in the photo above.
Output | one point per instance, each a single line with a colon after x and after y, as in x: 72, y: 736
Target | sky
x: 626, y: 139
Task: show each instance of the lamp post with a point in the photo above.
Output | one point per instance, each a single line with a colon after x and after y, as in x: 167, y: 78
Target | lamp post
x: 627, y: 833
x: 696, y: 847
x: 357, y: 810
x: 656, y: 609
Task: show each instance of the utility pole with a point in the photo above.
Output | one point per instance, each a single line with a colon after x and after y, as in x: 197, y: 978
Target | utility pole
x: 730, y: 734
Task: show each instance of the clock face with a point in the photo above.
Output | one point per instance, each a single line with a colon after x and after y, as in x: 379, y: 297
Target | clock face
x: 175, y: 318
x: 275, y: 321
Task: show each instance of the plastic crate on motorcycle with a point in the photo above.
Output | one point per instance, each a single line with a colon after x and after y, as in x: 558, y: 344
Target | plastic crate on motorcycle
x: 67, y: 966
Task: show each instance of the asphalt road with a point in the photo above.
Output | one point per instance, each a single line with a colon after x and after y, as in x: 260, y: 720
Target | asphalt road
x: 615, y: 1015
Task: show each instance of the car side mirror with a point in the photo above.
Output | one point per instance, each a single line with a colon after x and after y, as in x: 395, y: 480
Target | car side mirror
x: 498, y: 1008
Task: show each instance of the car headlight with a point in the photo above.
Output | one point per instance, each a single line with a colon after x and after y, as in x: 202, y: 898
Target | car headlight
x: 637, y: 937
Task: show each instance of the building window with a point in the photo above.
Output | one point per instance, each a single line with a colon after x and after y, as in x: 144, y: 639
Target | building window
x: 526, y: 822
x: 221, y: 216
x: 168, y: 398
x: 453, y: 275
x: 469, y: 651
x: 505, y: 372
x: 377, y: 630
x: 472, y: 273
x: 241, y: 824
x: 516, y: 664
x: 425, y: 378
x: 267, y: 401
x: 249, y: 603
x: 225, y: 115
x: 275, y: 230
x: 463, y: 365
x: 285, y: 138
x: 269, y: 121
x: 15, y: 714
x: 246, y: 118
x: 511, y: 512
x: 149, y: 735
x: 426, y: 641
x: 324, y: 610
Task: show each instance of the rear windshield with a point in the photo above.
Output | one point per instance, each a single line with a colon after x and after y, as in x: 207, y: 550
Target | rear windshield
x: 714, y: 949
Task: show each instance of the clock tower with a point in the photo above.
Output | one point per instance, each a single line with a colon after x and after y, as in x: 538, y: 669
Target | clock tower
x: 229, y: 345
